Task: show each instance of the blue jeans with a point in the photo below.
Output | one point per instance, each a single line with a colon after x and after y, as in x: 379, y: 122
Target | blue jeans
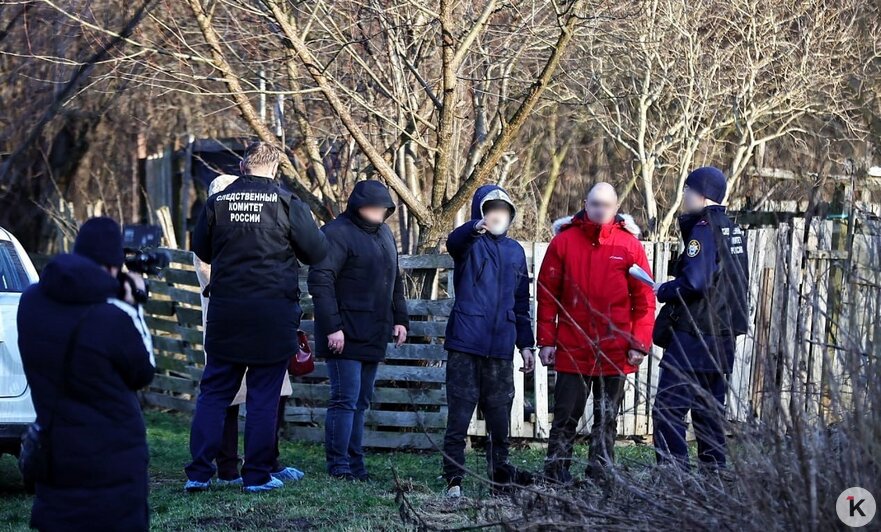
x: 351, y: 389
x: 220, y: 382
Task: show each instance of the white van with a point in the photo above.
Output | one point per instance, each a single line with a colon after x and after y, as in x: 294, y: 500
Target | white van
x: 16, y: 409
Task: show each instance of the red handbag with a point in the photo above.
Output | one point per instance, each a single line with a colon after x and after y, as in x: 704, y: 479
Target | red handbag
x: 303, y: 363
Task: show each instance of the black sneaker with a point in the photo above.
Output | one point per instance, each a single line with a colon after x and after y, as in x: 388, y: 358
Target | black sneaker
x: 348, y: 477
x: 454, y: 488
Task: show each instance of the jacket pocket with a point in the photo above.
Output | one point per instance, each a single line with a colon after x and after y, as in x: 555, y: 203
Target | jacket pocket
x: 361, y: 320
x: 480, y: 271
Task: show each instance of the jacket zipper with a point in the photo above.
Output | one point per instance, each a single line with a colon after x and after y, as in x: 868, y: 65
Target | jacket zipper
x: 498, y: 297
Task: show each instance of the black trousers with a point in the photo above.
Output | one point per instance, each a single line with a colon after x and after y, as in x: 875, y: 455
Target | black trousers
x: 570, y: 397
x: 471, y: 381
x: 228, y: 458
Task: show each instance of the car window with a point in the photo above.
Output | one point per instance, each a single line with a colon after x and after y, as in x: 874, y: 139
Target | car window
x: 13, y: 277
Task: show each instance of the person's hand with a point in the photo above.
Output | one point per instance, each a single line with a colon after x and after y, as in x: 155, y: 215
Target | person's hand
x: 480, y: 226
x: 400, y: 334
x: 656, y: 287
x: 336, y: 342
x: 548, y: 355
x: 528, y: 360
x: 635, y: 357
x: 138, y: 280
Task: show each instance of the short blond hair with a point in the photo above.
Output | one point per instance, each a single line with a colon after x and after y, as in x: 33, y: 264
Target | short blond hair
x: 260, y: 155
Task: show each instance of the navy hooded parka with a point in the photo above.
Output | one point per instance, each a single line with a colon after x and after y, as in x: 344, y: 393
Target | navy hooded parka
x: 491, y: 280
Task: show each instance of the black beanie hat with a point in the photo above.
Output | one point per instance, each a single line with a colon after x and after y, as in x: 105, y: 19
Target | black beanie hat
x: 100, y: 239
x: 709, y: 182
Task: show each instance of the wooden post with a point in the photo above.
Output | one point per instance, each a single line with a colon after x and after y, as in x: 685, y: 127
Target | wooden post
x: 542, y: 391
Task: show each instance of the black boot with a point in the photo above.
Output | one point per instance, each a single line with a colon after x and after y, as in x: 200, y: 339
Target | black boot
x: 507, y: 478
x: 558, y: 475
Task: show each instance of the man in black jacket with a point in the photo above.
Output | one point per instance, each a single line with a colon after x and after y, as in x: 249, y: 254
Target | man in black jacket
x: 359, y: 307
x: 86, y: 351
x: 252, y: 234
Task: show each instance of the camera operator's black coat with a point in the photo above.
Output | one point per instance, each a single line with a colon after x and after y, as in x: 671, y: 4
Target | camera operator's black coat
x: 98, y: 473
x: 252, y: 234
x: 358, y: 287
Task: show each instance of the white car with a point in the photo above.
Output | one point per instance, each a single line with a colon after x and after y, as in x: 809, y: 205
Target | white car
x: 16, y: 409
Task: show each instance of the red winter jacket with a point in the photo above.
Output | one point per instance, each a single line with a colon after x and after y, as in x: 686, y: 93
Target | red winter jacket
x: 589, y: 307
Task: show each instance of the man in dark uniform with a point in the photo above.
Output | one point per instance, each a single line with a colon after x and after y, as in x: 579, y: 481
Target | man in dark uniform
x: 252, y: 234
x: 706, y: 308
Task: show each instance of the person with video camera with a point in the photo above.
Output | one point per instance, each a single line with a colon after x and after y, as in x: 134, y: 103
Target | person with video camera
x: 86, y: 350
x: 252, y: 234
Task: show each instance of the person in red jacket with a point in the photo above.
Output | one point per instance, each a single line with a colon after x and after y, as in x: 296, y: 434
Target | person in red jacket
x: 594, y: 325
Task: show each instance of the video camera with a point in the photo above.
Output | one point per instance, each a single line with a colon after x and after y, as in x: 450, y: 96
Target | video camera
x: 140, y: 243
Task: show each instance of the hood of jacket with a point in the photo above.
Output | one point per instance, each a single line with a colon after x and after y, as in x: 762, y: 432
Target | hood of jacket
x: 487, y: 193
x: 370, y: 193
x: 625, y: 221
x: 74, y: 279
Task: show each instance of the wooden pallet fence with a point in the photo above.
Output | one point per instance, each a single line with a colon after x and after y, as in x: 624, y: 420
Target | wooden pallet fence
x: 792, y: 360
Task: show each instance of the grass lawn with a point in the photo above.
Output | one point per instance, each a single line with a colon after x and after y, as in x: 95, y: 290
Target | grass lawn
x: 315, y: 503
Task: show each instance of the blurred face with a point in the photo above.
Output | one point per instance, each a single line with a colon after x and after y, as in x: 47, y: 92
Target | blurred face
x: 497, y: 220
x: 601, y: 210
x: 375, y: 215
x: 692, y: 201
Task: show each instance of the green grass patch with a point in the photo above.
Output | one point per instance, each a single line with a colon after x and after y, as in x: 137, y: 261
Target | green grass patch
x: 315, y: 503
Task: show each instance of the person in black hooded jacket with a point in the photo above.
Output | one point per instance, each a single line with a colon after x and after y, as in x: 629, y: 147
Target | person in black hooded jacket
x: 359, y: 305
x: 88, y: 406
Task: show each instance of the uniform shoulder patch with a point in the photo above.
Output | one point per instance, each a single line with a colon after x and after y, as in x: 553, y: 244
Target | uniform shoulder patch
x: 693, y: 248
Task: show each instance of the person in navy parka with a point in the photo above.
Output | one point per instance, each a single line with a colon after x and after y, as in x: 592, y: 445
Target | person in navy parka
x: 98, y: 446
x: 490, y: 316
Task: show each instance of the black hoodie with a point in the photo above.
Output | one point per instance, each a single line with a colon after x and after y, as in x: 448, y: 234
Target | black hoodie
x: 357, y: 288
x: 99, y: 468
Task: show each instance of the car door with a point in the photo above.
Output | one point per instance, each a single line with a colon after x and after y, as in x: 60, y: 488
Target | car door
x: 16, y: 274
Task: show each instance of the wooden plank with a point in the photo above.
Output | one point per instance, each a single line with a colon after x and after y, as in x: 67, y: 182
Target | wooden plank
x: 160, y: 324
x: 173, y: 384
x: 640, y: 419
x: 164, y: 343
x: 161, y: 400
x: 179, y: 295
x: 177, y: 276
x: 791, y: 350
x: 627, y: 419
x: 190, y: 335
x: 179, y: 256
x: 373, y: 438
x: 419, y: 262
x: 383, y: 418
x: 433, y: 352
x: 189, y: 316
x: 662, y: 256
x: 170, y: 364
x: 159, y: 307
x: 403, y: 374
x: 319, y: 394
x: 427, y: 307
x: 518, y: 425
x: 769, y: 388
x: 542, y: 426
x: 737, y: 402
x: 819, y: 353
